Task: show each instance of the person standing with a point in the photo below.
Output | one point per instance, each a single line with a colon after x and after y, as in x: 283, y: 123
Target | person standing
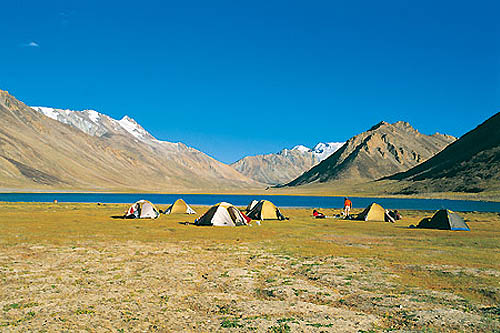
x: 347, y: 207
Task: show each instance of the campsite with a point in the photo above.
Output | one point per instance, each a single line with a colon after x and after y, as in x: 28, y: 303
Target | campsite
x: 249, y: 166
x: 73, y: 267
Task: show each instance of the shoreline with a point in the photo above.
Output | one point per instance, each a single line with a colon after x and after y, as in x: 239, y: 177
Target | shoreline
x: 431, y: 196
x: 308, y: 202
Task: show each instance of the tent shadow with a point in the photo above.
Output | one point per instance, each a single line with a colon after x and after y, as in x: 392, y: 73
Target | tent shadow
x: 186, y: 223
x: 121, y: 217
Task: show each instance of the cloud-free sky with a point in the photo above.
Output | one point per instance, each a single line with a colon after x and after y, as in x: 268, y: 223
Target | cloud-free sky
x: 234, y: 78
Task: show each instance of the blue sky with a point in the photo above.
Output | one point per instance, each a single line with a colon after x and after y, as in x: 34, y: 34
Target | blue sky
x: 236, y: 78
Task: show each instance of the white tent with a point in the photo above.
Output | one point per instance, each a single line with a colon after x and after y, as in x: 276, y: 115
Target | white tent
x: 142, y: 209
x: 222, y: 214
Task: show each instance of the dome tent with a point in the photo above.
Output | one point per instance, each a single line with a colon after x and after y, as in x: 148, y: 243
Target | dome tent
x: 142, y: 209
x: 265, y: 210
x: 374, y: 212
x: 179, y: 206
x: 222, y: 214
x: 444, y: 219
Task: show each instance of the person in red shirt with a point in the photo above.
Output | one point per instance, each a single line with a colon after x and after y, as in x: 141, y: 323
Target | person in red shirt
x: 347, y: 206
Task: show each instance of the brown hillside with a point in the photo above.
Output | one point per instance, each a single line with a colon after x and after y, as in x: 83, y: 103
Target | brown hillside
x: 37, y: 152
x: 381, y: 151
x: 276, y: 168
x: 471, y: 164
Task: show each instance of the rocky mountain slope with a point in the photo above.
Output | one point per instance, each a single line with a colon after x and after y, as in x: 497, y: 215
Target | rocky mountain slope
x: 470, y: 164
x: 97, y: 124
x: 88, y: 150
x: 285, y: 165
x: 381, y: 151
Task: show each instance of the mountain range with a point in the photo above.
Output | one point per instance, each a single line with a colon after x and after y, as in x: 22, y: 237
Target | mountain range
x: 381, y: 151
x: 88, y: 150
x: 44, y: 148
x: 470, y: 164
x: 285, y: 165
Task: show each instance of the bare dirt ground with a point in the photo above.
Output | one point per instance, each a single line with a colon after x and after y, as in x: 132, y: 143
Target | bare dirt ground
x: 71, y: 269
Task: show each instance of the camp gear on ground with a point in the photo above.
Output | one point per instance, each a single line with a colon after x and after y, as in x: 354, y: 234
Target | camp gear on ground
x: 179, y: 206
x: 394, y: 214
x: 318, y: 215
x: 388, y: 217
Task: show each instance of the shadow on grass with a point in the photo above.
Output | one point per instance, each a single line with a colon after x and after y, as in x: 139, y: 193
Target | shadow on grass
x: 187, y: 223
x: 122, y: 217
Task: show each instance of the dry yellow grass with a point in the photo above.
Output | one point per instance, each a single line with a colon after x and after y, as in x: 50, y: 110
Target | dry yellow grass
x: 73, y: 267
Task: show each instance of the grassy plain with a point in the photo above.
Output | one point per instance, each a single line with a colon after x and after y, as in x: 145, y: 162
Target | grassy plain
x: 73, y: 267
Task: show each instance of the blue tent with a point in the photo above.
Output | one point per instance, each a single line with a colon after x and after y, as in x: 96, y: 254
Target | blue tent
x: 444, y: 219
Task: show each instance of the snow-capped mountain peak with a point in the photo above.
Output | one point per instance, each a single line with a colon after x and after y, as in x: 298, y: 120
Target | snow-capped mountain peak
x: 301, y: 148
x: 86, y: 120
x: 93, y: 115
x: 131, y: 126
x: 321, y: 151
x: 49, y: 112
x: 324, y: 149
x: 95, y: 123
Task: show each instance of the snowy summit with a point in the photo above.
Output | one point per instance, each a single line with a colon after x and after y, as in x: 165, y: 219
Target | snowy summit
x: 321, y: 151
x: 95, y: 123
x: 131, y: 126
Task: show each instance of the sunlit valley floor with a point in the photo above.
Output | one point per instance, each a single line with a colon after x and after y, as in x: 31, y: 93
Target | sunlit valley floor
x: 73, y: 267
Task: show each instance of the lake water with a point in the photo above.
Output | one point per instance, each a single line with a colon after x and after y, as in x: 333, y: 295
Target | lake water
x: 243, y: 200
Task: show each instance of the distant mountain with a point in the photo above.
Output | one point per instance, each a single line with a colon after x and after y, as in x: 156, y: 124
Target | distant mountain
x: 89, y: 150
x: 285, y: 165
x: 97, y: 124
x: 470, y: 164
x: 381, y: 151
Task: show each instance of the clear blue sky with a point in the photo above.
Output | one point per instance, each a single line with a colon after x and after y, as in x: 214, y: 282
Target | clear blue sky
x: 235, y: 78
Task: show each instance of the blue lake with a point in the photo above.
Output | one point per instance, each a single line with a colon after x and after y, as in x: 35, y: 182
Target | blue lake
x: 243, y: 200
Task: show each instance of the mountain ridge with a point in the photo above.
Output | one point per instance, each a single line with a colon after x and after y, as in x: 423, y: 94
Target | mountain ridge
x: 39, y: 152
x: 470, y: 164
x: 285, y: 165
x: 382, y: 150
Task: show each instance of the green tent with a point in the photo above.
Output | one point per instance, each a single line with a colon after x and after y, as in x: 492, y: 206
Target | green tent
x: 444, y: 219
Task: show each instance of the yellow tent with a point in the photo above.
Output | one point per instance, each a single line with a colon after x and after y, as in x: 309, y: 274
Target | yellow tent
x: 265, y: 210
x: 374, y: 212
x: 180, y: 206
